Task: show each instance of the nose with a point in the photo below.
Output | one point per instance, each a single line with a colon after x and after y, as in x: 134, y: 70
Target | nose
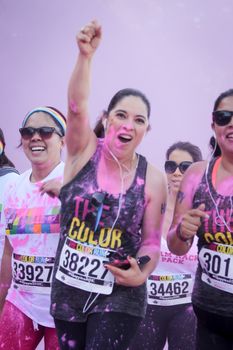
x: 36, y: 136
x: 128, y: 125
x: 231, y: 121
x: 177, y: 172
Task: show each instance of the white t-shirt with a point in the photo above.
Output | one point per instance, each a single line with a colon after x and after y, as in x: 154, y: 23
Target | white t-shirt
x: 5, y: 181
x: 33, y: 231
x: 171, y: 282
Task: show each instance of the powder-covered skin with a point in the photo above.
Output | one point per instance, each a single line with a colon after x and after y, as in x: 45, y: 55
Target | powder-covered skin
x: 21, y: 334
x: 215, y: 236
x: 68, y: 302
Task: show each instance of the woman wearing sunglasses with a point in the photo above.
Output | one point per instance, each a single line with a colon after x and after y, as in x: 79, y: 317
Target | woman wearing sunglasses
x: 204, y: 209
x: 112, y: 211
x: 32, y: 231
x: 169, y: 315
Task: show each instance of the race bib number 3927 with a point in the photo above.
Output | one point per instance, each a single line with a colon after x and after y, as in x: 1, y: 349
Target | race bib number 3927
x: 32, y: 273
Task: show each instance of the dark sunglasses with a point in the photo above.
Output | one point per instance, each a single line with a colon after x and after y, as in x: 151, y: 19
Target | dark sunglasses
x: 171, y: 166
x: 93, y: 218
x: 222, y: 118
x: 44, y: 131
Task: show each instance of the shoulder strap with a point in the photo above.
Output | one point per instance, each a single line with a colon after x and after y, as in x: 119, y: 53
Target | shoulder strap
x: 7, y: 170
x: 215, y: 170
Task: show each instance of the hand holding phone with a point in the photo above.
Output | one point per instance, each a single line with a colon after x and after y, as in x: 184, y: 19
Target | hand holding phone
x: 125, y: 264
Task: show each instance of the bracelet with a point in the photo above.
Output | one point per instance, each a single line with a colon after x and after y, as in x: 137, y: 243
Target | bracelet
x: 188, y: 241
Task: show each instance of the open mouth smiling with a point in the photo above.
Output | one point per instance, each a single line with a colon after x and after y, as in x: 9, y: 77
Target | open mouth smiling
x: 229, y: 136
x: 124, y: 138
x: 37, y: 148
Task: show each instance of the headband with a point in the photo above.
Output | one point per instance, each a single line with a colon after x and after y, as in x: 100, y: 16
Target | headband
x: 56, y: 115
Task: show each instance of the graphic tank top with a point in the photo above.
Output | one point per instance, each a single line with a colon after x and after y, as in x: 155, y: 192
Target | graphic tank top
x: 213, y: 287
x: 81, y: 284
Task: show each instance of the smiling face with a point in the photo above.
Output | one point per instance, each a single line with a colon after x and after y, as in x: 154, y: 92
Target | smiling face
x: 175, y: 178
x: 224, y: 134
x: 127, y: 123
x: 42, y: 152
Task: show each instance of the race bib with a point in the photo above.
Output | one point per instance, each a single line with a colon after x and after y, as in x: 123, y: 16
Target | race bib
x: 32, y: 273
x: 217, y: 264
x: 169, y: 290
x: 82, y: 266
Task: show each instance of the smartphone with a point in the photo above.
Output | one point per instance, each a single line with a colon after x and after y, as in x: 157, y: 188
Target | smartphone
x: 120, y: 263
x: 124, y: 263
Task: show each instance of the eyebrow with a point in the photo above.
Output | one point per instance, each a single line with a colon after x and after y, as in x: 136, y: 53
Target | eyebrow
x: 137, y: 115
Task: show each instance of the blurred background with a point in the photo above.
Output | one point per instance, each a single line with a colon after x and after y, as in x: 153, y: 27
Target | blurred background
x: 178, y: 52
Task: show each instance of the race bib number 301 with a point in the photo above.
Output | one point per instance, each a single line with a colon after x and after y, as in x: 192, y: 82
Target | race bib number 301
x: 32, y: 273
x: 81, y: 266
x: 217, y: 266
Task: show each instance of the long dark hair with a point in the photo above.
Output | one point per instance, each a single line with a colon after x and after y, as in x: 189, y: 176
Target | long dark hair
x: 193, y: 150
x: 4, y: 160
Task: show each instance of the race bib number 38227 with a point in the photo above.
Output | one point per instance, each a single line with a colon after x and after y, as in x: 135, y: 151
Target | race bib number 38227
x: 82, y: 266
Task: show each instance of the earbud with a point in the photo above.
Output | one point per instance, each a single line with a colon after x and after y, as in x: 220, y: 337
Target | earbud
x: 104, y: 122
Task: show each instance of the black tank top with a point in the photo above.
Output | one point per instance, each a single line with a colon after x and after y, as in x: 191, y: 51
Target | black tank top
x: 214, y: 280
x: 76, y: 204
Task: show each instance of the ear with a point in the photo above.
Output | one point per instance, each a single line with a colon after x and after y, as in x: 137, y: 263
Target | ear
x: 104, y: 122
x: 62, y: 142
x: 148, y: 128
x: 213, y: 128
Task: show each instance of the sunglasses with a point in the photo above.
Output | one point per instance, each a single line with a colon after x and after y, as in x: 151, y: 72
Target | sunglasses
x: 44, y: 131
x: 222, y: 118
x: 93, y: 218
x: 171, y: 166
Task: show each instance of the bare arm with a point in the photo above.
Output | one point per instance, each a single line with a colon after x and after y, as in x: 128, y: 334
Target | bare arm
x: 186, y: 220
x: 156, y: 190
x: 6, y: 272
x: 51, y: 187
x: 79, y: 133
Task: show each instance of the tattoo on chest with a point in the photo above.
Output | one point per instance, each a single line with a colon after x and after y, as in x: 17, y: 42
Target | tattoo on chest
x: 180, y: 196
x: 163, y: 208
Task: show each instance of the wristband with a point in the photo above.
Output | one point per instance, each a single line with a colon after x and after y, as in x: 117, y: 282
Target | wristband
x: 188, y: 241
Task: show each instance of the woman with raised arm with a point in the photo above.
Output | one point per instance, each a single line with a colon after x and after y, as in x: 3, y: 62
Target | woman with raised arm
x: 112, y: 211
x: 204, y: 208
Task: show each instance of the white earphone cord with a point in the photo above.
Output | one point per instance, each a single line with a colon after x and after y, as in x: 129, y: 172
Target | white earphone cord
x: 87, y: 304
x: 218, y: 216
